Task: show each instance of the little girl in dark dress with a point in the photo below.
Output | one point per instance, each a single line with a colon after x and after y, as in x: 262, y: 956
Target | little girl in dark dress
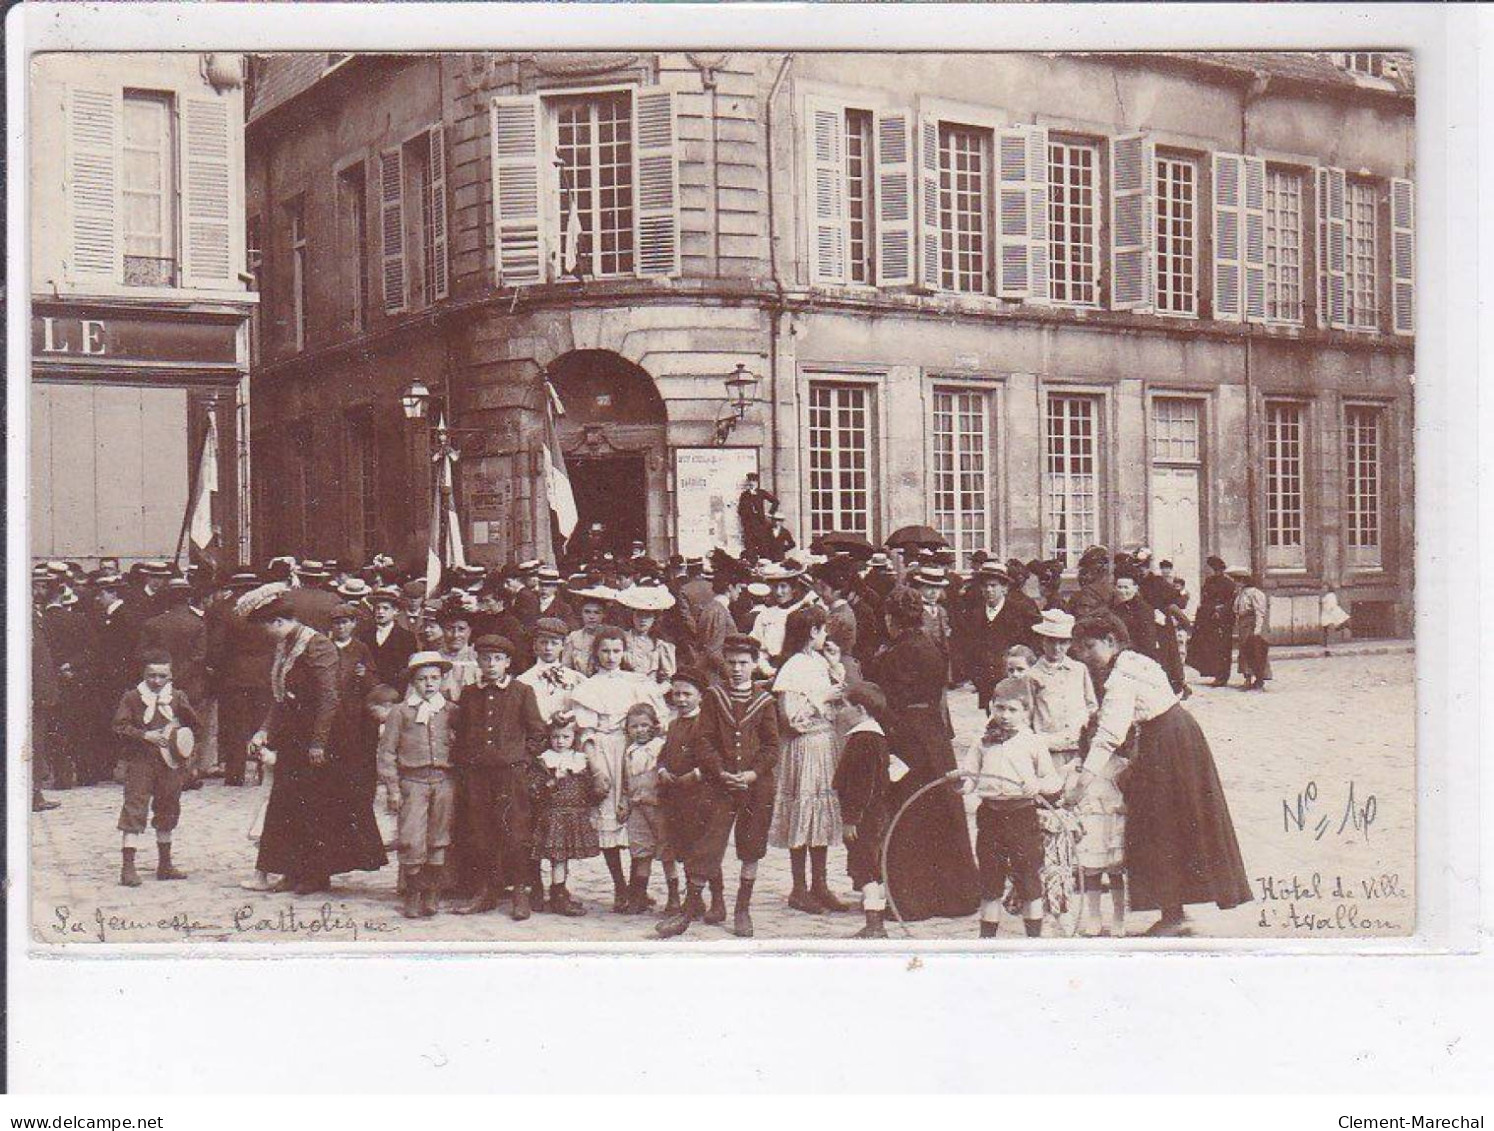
x: 564, y: 829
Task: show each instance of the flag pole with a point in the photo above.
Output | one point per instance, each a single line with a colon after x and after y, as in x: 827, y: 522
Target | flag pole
x: 194, y: 481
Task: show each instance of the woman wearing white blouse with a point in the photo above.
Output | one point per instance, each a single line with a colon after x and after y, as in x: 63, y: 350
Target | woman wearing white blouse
x: 1180, y: 841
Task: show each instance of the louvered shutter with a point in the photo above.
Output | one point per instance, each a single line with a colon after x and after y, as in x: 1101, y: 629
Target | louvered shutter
x: 95, y: 122
x: 894, y: 199
x: 518, y: 233
x: 1403, y: 256
x: 440, y: 256
x: 392, y: 228
x: 1132, y: 172
x: 657, y: 183
x: 1022, y: 213
x: 826, y: 186
x: 1254, y: 213
x: 928, y: 202
x: 1229, y: 176
x: 207, y: 159
x: 1332, y: 238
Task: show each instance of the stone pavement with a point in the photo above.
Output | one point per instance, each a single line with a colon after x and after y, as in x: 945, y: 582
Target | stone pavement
x: 1319, y: 772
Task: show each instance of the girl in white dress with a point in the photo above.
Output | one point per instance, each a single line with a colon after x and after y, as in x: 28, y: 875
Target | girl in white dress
x: 806, y: 811
x: 646, y: 653
x: 601, y: 704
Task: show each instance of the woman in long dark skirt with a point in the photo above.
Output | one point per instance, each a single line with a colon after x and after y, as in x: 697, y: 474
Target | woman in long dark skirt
x: 1211, y: 647
x: 930, y: 865
x: 318, y: 821
x: 1180, y: 845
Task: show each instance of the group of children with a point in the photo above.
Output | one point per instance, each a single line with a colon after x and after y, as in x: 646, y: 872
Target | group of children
x: 554, y: 767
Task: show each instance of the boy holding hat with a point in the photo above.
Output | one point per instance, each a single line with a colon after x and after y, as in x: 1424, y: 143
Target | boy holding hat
x: 498, y: 733
x: 415, y: 766
x: 1063, y: 692
x: 156, y: 723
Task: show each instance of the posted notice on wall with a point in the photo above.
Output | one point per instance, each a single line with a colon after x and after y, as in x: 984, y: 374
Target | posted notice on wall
x: 707, y: 484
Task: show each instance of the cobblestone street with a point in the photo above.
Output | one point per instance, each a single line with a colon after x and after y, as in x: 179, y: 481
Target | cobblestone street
x: 1319, y: 773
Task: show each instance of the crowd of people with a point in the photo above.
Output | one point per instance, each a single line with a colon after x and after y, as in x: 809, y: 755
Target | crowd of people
x: 518, y: 721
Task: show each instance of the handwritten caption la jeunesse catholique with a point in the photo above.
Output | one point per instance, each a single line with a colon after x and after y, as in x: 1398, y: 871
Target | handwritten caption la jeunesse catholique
x: 244, y: 922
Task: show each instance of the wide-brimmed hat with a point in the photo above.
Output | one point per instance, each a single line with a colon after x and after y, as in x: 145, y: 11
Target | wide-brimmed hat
x: 601, y: 593
x: 314, y: 570
x: 780, y: 571
x: 1056, y: 624
x: 645, y: 598
x: 428, y: 660
x: 355, y: 588
x: 275, y: 607
x: 183, y: 743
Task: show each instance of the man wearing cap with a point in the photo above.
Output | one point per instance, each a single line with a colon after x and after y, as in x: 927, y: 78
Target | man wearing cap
x: 389, y: 644
x: 115, y: 666
x: 150, y: 579
x: 1003, y: 618
x: 497, y: 733
x: 181, y: 631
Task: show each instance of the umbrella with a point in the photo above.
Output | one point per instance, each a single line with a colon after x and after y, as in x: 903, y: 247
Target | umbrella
x: 842, y: 542
x: 922, y: 536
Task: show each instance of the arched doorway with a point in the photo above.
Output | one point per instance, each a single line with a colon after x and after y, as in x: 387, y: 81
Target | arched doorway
x: 612, y: 435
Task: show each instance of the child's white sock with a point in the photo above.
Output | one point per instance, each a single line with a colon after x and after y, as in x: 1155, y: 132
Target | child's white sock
x: 873, y: 897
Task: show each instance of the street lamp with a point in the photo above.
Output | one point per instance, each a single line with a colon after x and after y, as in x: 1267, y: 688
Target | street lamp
x: 414, y: 399
x: 741, y: 394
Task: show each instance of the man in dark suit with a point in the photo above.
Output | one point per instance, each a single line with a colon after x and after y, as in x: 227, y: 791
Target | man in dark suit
x: 239, y: 658
x: 754, y: 505
x: 550, y: 602
x: 390, y: 645
x: 1003, y: 617
x: 314, y: 599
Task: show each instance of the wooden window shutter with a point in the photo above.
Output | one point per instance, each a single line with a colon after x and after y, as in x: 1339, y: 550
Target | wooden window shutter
x: 440, y: 242
x: 656, y: 211
x: 1022, y: 211
x: 1403, y: 256
x: 95, y: 127
x: 826, y: 186
x: 518, y: 212
x: 1254, y: 212
x: 1333, y: 310
x: 928, y: 202
x: 1229, y: 191
x: 392, y: 228
x: 207, y: 196
x: 1133, y: 165
x: 894, y: 199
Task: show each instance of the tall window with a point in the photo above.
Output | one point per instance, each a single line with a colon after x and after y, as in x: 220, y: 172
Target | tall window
x: 1177, y: 235
x: 839, y: 459
x: 963, y: 235
x: 1073, y: 170
x: 300, y: 278
x: 594, y: 149
x: 1174, y: 430
x: 962, y: 486
x: 419, y: 231
x: 1285, y: 506
x: 1283, y: 246
x: 1071, y: 477
x: 352, y: 200
x: 1362, y: 472
x: 1359, y: 259
x: 363, y: 458
x: 859, y: 198
x: 148, y: 186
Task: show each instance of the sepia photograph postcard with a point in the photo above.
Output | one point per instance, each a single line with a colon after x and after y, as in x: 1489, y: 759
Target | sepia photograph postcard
x: 653, y: 497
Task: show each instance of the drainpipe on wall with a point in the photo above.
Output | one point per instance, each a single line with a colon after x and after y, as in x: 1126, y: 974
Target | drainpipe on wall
x: 708, y: 65
x: 776, y: 311
x: 1257, y: 88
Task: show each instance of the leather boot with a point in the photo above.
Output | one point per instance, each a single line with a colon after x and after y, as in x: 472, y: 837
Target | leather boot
x: 410, y: 901
x: 675, y: 925
x: 164, y: 870
x: 521, y: 909
x: 127, y: 874
x: 876, y: 927
x: 716, y: 913
x: 485, y: 900
x: 741, y: 923
x: 672, y: 906
x: 561, y: 902
x: 989, y: 930
x: 800, y: 900
x: 822, y: 895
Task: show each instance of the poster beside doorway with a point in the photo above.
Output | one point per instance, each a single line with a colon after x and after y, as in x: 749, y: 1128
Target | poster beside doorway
x: 707, y: 484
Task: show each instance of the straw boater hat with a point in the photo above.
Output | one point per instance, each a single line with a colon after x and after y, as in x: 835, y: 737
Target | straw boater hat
x: 355, y: 589
x: 1056, y: 624
x: 776, y: 571
x: 428, y: 660
x: 385, y: 594
x: 994, y: 571
x: 933, y: 576
x: 549, y: 575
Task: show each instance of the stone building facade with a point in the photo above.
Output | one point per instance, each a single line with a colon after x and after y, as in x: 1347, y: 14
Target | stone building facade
x: 1034, y: 301
x: 139, y: 302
